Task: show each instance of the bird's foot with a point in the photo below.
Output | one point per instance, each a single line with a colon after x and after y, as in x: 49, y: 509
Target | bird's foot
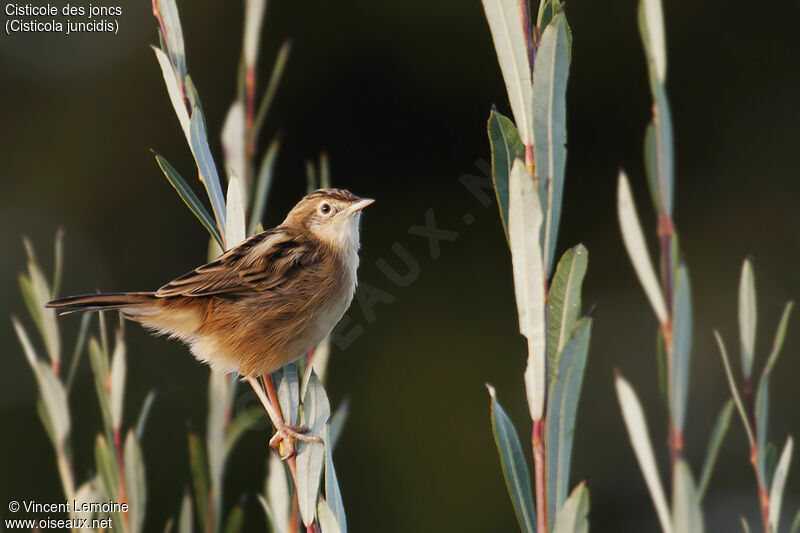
x: 285, y: 436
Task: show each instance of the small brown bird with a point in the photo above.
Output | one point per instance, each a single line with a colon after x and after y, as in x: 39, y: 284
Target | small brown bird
x: 263, y: 303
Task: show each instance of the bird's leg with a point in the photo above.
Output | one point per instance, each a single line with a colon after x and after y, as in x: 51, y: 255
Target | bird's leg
x: 284, y: 433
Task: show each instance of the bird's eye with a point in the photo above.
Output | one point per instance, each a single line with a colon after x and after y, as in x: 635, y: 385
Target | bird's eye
x: 325, y: 209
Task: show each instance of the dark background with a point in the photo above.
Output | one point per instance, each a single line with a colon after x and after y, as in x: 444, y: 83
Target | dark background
x: 398, y: 94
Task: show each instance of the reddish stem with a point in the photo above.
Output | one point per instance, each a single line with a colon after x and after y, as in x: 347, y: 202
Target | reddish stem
x: 537, y: 441
x: 763, y: 495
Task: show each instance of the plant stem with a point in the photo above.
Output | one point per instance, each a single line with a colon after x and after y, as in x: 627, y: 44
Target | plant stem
x: 763, y: 495
x: 537, y: 441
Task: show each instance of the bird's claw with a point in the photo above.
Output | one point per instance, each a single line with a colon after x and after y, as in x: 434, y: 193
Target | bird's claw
x: 284, y: 437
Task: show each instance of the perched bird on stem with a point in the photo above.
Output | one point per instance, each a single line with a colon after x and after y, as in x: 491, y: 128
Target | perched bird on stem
x: 261, y: 304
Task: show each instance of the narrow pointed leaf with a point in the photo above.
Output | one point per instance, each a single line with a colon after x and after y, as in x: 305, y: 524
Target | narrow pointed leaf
x: 54, y: 398
x: 510, y: 43
x: 41, y: 292
x: 333, y: 495
x: 796, y: 523
x: 770, y: 463
x: 100, y: 364
x: 747, y: 317
x: 687, y: 517
x: 118, y: 371
x: 198, y: 465
x: 185, y: 520
x: 734, y: 389
x: 714, y: 442
x: 780, y: 334
x: 144, y: 414
x: 288, y: 387
x: 253, y: 20
x: 573, y: 516
x: 235, y: 519
x: 637, y: 248
x: 106, y: 467
x: 265, y: 174
x: 206, y: 165
x: 272, y: 87
x: 515, y: 468
x: 506, y: 147
x: 243, y: 421
x: 234, y: 145
x: 280, y: 500
x: 651, y: 28
x: 778, y: 485
x: 337, y: 422
x: 562, y: 409
x: 311, y: 455
x: 682, y: 349
x: 640, y: 440
x: 173, y: 34
x: 549, y: 126
x: 135, y: 482
x: 762, y: 421
x: 524, y: 224
x: 327, y: 519
x: 564, y: 301
x: 745, y: 525
x: 235, y: 228
x: 174, y: 91
x: 189, y: 198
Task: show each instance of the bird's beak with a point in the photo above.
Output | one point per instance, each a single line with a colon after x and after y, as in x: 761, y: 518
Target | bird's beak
x: 361, y: 204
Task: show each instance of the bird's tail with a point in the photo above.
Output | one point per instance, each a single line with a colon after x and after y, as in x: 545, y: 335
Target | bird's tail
x: 101, y: 302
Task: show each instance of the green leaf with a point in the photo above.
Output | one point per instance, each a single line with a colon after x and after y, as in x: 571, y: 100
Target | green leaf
x: 144, y: 414
x: 99, y: 363
x: 778, y: 485
x: 311, y: 455
x: 515, y: 468
x: 80, y: 343
x: 651, y: 29
x: 198, y: 466
x: 796, y: 522
x: 235, y: 229
x: 234, y: 148
x: 524, y: 224
x: 31, y: 301
x: 734, y: 389
x: 564, y: 301
x: 780, y: 334
x: 682, y: 348
x: 106, y: 467
x: 548, y: 9
x: 327, y: 519
x: 748, y: 316
x: 762, y: 420
x: 687, y: 516
x: 219, y: 405
x: 38, y: 294
x: 511, y: 45
x: 235, y: 519
x: 185, y: 521
x: 243, y: 421
x: 745, y: 525
x: 636, y: 425
x: 135, y: 482
x: 272, y: 86
x: 279, y: 508
x: 206, y: 165
x: 58, y: 269
x: 54, y: 398
x: 714, y: 442
x: 550, y: 126
x: 118, y: 371
x: 174, y: 91
x: 770, y: 463
x: 288, y: 391
x: 333, y: 495
x: 337, y: 422
x: 506, y: 147
x: 573, y: 516
x: 635, y: 244
x: 263, y: 184
x: 562, y: 409
x: 661, y: 363
x: 44, y: 417
x: 189, y: 198
x: 173, y: 34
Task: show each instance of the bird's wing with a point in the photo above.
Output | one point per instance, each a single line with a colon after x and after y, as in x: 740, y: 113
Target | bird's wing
x: 263, y: 262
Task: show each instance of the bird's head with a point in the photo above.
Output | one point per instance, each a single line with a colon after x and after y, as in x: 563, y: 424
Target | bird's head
x: 331, y: 215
